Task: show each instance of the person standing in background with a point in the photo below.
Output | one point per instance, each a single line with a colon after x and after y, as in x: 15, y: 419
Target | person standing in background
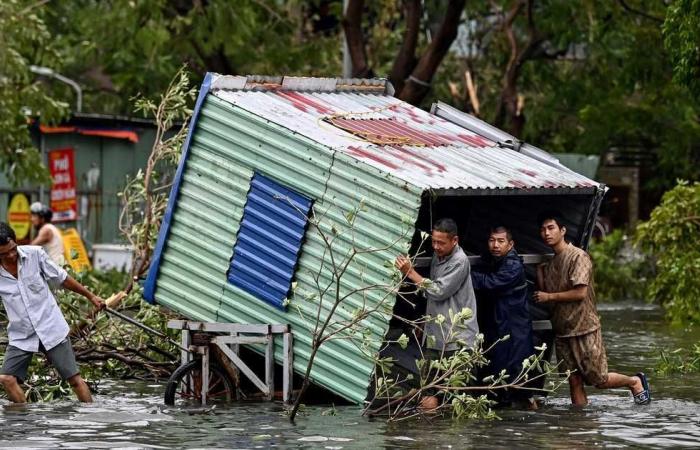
x: 48, y: 236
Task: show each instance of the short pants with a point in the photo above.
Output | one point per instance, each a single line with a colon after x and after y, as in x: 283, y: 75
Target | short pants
x: 61, y: 358
x: 586, y: 355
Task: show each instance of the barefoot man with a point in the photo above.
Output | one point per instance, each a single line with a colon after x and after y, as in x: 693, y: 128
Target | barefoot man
x: 35, y: 320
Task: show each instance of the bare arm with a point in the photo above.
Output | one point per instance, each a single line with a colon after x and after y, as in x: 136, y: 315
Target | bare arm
x: 576, y: 294
x: 540, y: 277
x: 72, y: 285
x: 43, y: 237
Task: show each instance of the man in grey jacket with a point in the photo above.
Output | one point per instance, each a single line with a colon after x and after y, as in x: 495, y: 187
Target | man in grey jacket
x: 448, y: 289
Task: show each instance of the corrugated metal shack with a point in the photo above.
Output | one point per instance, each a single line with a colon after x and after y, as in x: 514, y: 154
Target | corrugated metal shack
x: 228, y: 252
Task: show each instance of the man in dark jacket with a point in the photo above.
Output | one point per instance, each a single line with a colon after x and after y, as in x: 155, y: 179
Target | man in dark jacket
x: 501, y: 286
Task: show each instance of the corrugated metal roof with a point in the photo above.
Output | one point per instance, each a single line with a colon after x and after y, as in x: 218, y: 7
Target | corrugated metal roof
x: 269, y: 240
x: 447, y: 157
x: 228, y: 145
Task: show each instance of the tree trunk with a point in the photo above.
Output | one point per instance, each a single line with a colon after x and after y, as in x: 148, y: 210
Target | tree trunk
x: 352, y: 25
x: 405, y: 60
x: 305, y: 384
x: 418, y: 84
x: 509, y: 113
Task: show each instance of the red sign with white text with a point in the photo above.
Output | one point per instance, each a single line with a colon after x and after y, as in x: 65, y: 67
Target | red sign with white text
x: 63, y: 199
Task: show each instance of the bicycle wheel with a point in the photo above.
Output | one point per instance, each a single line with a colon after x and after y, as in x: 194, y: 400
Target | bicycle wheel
x: 184, y: 387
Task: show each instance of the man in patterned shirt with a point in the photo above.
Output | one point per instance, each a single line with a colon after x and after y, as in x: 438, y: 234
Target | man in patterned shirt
x: 566, y: 282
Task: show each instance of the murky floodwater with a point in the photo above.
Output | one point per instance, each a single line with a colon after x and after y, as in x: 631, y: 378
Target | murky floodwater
x: 131, y: 414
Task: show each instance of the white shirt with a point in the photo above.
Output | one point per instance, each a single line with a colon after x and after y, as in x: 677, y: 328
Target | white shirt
x: 32, y: 311
x: 55, y: 245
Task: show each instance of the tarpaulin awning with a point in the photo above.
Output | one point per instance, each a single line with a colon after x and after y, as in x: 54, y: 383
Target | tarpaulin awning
x: 86, y: 131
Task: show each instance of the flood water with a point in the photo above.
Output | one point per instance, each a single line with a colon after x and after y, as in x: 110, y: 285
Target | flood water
x: 132, y: 415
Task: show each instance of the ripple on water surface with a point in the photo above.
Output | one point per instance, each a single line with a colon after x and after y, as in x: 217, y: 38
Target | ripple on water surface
x: 131, y: 414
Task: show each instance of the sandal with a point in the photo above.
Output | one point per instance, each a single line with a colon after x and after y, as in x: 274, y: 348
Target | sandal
x: 643, y: 397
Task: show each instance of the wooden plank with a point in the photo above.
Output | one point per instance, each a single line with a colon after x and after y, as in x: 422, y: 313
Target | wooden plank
x: 538, y: 325
x: 244, y: 368
x: 288, y: 368
x: 216, y: 327
x: 528, y: 258
x: 205, y: 375
x: 241, y: 339
x: 186, y: 339
x: 270, y: 366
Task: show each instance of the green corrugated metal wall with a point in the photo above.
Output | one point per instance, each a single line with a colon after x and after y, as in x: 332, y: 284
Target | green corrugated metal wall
x: 230, y: 143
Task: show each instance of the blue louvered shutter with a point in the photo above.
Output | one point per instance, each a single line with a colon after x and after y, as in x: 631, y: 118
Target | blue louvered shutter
x: 269, y: 240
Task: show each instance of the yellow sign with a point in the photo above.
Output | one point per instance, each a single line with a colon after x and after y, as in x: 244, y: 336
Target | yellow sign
x: 19, y: 217
x: 74, y: 250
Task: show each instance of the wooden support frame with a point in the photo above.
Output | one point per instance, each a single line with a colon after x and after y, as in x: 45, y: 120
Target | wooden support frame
x: 205, y: 374
x: 288, y: 369
x: 229, y: 344
x: 231, y: 328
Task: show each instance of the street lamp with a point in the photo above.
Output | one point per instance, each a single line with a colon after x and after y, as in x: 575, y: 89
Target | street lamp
x: 47, y: 72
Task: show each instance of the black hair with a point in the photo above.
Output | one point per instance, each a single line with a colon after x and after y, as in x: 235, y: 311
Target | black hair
x: 46, y: 214
x: 551, y: 214
x: 502, y: 229
x: 6, y: 234
x: 446, y: 226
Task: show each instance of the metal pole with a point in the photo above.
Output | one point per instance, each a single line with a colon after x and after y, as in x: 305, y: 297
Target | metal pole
x: 144, y: 327
x: 48, y: 72
x: 42, y: 152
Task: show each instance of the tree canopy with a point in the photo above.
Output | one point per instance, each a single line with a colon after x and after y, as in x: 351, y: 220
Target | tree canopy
x: 568, y: 76
x: 24, y: 41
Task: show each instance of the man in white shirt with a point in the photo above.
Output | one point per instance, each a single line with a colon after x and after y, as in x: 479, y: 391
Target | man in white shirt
x: 35, y: 320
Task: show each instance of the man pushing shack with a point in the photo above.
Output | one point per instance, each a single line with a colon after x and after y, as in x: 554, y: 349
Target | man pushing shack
x: 450, y: 289
x: 35, y: 320
x: 567, y: 283
x: 501, y: 287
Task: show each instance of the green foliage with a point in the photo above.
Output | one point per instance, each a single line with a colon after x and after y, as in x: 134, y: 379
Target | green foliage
x: 679, y: 361
x: 671, y: 237
x: 24, y: 41
x: 144, y: 197
x: 466, y: 406
x: 602, y: 80
x: 146, y: 41
x: 447, y: 381
x: 682, y: 40
x: 620, y: 273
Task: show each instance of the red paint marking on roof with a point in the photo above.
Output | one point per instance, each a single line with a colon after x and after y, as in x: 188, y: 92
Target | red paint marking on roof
x: 415, y: 154
x: 412, y: 114
x: 527, y: 172
x: 517, y: 184
x: 367, y: 154
x: 295, y: 103
x: 397, y: 152
x: 475, y: 140
x: 451, y: 139
x: 389, y: 130
x: 402, y: 129
x: 302, y: 100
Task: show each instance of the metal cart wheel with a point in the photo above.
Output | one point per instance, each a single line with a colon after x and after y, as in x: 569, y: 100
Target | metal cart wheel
x: 184, y: 387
